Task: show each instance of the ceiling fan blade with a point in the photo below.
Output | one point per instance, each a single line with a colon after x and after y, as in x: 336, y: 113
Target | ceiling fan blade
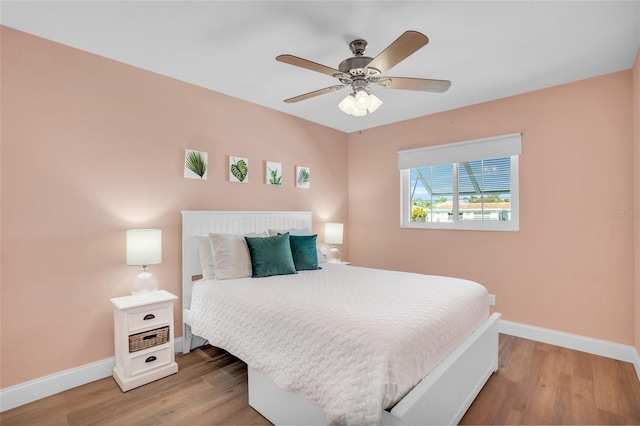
x: 310, y: 65
x: 314, y: 94
x: 422, y: 84
x: 404, y: 46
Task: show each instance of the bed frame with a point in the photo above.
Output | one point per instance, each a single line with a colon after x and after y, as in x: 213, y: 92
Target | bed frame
x: 440, y: 398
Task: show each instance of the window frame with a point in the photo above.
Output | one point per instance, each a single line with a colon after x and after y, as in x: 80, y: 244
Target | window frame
x: 512, y: 225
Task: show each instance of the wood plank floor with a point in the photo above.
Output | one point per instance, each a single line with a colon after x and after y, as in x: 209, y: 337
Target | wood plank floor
x: 536, y: 384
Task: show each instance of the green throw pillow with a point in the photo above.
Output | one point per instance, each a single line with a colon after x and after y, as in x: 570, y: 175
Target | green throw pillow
x: 304, y: 251
x: 271, y: 256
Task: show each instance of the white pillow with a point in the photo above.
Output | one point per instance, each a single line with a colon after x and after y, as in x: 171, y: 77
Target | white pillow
x: 299, y: 231
x: 231, y: 258
x: 206, y: 257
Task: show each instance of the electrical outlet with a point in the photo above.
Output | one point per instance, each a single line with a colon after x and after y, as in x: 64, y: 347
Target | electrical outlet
x: 492, y: 299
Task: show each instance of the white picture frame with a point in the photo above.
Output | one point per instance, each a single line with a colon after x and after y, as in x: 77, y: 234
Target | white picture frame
x: 195, y: 164
x: 273, y: 173
x: 238, y: 169
x: 303, y: 177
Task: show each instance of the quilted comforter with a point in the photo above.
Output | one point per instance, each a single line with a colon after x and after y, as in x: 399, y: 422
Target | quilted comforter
x: 352, y: 340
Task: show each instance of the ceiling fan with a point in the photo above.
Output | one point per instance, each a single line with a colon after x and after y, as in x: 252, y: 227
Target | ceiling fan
x: 361, y: 72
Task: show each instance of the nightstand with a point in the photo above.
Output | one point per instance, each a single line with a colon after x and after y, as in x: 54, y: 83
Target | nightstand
x: 143, y: 331
x: 340, y: 262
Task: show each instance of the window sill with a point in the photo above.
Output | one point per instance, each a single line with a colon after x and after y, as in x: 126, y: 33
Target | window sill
x: 465, y: 226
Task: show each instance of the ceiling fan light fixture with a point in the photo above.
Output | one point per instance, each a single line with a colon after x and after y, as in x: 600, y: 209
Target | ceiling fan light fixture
x: 349, y: 105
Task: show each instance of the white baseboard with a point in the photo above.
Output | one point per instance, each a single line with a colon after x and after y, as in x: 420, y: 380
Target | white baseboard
x: 54, y: 383
x: 49, y: 385
x: 573, y: 341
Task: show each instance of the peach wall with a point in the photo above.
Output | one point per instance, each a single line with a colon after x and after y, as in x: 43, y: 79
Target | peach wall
x: 636, y: 191
x: 91, y: 147
x: 570, y: 268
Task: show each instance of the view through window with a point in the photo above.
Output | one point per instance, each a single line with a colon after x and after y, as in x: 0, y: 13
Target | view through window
x: 484, y: 191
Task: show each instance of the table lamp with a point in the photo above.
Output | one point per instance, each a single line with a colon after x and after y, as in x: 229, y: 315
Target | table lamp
x: 144, y: 247
x: 333, y: 236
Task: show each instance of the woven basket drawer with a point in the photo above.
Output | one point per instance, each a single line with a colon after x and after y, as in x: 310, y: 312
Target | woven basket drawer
x: 148, y: 339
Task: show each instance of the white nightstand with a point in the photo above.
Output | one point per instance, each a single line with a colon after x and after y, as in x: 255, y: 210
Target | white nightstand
x: 340, y: 262
x: 143, y: 330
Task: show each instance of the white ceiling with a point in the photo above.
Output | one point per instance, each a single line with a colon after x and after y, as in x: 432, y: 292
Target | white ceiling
x: 488, y: 50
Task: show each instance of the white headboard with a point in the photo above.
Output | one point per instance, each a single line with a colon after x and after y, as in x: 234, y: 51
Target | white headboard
x: 202, y: 223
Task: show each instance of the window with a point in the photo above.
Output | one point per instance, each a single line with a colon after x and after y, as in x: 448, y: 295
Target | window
x: 467, y: 185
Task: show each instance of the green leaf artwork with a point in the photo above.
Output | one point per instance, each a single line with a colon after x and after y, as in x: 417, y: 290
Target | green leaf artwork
x: 303, y: 177
x: 274, y: 173
x: 195, y: 161
x: 239, y: 169
x: 274, y: 179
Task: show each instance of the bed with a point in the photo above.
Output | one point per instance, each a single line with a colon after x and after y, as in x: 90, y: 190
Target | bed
x: 343, y: 374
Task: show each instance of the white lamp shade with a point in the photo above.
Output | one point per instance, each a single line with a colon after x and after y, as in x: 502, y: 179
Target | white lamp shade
x: 333, y: 233
x: 348, y: 104
x: 357, y: 112
x: 362, y: 100
x: 374, y: 104
x: 144, y: 246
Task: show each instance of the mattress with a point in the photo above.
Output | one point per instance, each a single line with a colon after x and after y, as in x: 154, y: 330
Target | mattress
x: 352, y: 340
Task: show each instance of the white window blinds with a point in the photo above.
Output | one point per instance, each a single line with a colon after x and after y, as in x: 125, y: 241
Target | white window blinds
x: 478, y: 149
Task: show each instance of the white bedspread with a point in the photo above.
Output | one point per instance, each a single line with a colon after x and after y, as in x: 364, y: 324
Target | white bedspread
x: 352, y: 340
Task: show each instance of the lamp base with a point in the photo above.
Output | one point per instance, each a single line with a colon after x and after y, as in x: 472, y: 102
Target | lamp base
x: 334, y: 255
x: 145, y: 284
